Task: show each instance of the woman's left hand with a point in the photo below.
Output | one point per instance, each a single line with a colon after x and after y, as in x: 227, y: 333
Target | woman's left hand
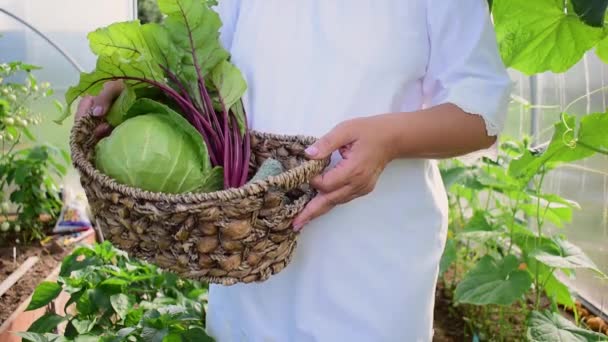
x: 365, y: 148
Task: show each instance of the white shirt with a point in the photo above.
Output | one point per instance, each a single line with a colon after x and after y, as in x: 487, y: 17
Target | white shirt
x: 367, y: 270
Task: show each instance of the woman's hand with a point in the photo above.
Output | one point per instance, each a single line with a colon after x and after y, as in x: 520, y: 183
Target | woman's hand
x: 365, y: 149
x: 368, y: 144
x: 99, y: 105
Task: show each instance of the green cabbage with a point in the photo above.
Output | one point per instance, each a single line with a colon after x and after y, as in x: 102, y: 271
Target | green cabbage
x: 158, y: 152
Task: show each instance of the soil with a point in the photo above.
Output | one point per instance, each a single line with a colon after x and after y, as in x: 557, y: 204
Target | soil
x: 449, y: 324
x: 49, y: 258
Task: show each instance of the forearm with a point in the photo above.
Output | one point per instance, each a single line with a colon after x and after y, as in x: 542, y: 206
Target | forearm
x: 443, y: 131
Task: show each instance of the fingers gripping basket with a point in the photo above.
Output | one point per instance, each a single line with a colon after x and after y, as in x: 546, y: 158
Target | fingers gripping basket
x: 232, y: 236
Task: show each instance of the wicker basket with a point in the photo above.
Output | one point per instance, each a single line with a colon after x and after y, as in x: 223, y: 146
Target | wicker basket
x: 232, y: 236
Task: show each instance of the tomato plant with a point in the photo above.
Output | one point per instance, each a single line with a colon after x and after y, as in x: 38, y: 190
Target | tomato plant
x: 28, y: 187
x: 115, y: 298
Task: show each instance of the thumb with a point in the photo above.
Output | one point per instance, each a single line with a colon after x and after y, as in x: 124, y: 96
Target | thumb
x: 105, y: 99
x: 339, y: 136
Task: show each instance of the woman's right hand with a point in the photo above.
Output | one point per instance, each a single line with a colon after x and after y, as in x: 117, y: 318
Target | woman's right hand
x: 99, y: 105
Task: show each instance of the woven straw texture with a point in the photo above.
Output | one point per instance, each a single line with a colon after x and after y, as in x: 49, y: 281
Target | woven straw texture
x: 226, y: 237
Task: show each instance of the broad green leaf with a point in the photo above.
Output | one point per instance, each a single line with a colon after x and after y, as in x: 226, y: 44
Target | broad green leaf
x: 555, y: 290
x: 229, y: 82
x: 538, y: 36
x: 602, y: 49
x: 592, y: 12
x: 550, y: 326
x: 478, y: 222
x: 173, y: 337
x: 85, y: 304
x: 123, y: 39
x: 149, y: 334
x: 134, y: 42
x: 83, y: 326
x: 200, y: 25
x: 553, y: 198
x: 46, y: 323
x: 125, y: 49
x: 479, y: 229
x: 479, y: 236
x: 87, y: 338
x: 134, y: 316
x: 113, y: 285
x: 493, y: 282
x: 36, y: 337
x: 44, y: 293
x: 530, y: 243
x: 109, y: 68
x: 196, y: 334
x: 452, y: 175
x: 161, y: 47
x: 558, y: 291
x: 497, y: 178
x: 556, y: 213
x: 239, y: 113
x: 125, y: 331
x: 448, y: 257
x: 121, y: 106
x: 562, y: 148
x: 592, y: 131
x: 568, y: 255
x: 194, y: 29
x: 121, y: 303
x: 101, y: 299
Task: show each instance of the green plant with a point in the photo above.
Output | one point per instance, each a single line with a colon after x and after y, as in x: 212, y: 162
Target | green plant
x: 180, y: 62
x: 115, y: 298
x: 27, y: 173
x: 501, y: 259
x: 549, y: 35
x: 505, y: 258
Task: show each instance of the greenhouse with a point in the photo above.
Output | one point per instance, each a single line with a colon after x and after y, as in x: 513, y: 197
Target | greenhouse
x: 236, y: 170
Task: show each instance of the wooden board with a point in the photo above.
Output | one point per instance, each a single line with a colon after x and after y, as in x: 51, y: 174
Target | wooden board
x: 21, y: 320
x: 17, y: 274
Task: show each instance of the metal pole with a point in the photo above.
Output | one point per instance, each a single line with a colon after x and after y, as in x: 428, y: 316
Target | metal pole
x: 534, y: 117
x: 57, y: 47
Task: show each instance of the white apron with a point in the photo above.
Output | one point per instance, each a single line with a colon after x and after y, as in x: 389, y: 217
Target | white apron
x: 367, y: 270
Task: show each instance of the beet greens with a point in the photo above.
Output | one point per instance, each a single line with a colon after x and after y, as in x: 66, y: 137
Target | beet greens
x: 183, y: 59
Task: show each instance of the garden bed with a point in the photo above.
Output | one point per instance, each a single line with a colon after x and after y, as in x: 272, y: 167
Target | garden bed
x: 492, y: 322
x: 15, y: 299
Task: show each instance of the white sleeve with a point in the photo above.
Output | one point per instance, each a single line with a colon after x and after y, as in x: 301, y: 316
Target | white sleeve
x: 228, y: 10
x: 465, y: 67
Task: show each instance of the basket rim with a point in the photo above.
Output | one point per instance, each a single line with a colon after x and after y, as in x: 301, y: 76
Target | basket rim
x: 307, y: 169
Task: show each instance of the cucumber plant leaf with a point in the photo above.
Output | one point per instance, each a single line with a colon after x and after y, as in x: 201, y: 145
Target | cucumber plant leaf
x: 493, y: 282
x: 602, y: 49
x: 547, y: 326
x: 448, y: 257
x: 562, y: 148
x: 592, y: 131
x: 538, y: 36
x: 566, y: 255
x: 558, y: 291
